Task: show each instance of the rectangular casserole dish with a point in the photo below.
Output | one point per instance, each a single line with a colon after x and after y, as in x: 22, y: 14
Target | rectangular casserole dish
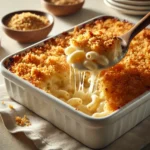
x: 95, y: 133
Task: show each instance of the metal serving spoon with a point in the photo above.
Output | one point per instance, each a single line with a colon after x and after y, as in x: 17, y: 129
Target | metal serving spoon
x: 121, y: 43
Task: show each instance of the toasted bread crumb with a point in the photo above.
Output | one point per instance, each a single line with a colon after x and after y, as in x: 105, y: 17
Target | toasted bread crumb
x: 11, y: 106
x: 3, y: 102
x: 22, y: 121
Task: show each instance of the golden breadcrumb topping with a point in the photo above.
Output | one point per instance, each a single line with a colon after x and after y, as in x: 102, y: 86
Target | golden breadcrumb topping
x: 120, y: 84
x: 130, y: 78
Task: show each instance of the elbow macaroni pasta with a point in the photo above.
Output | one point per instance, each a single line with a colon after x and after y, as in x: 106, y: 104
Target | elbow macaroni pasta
x: 69, y: 50
x: 63, y: 94
x: 92, y: 106
x: 90, y: 65
x: 79, y: 58
x: 100, y: 59
x: 75, y: 101
x: 76, y: 57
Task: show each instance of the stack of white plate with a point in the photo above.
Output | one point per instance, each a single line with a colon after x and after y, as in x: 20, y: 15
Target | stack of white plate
x: 132, y: 7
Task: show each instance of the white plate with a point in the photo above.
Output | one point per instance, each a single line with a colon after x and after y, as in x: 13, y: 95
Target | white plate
x: 133, y: 7
x: 126, y: 11
x: 134, y: 2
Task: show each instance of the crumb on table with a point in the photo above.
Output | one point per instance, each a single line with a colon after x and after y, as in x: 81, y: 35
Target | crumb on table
x: 22, y: 121
x: 11, y: 106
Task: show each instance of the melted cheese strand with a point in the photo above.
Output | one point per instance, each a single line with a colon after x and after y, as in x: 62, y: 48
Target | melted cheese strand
x: 75, y: 79
x: 82, y: 85
x: 93, y: 78
x: 70, y: 75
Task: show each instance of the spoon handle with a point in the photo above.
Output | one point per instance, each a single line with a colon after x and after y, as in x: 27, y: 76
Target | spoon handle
x: 127, y: 37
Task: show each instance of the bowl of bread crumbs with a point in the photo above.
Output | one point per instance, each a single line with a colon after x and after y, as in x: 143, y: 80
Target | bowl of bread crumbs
x: 62, y: 7
x: 27, y: 26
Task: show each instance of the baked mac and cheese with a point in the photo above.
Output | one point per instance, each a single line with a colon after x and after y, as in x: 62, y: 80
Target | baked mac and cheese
x: 95, y: 93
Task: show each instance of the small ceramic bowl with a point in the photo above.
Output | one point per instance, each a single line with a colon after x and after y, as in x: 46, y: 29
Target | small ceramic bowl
x: 62, y: 10
x: 28, y: 36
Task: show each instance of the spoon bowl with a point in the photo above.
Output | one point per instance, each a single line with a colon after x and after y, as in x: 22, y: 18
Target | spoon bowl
x: 121, y: 45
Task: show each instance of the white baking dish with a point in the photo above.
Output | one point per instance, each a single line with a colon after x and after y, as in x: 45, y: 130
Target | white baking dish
x: 93, y: 132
